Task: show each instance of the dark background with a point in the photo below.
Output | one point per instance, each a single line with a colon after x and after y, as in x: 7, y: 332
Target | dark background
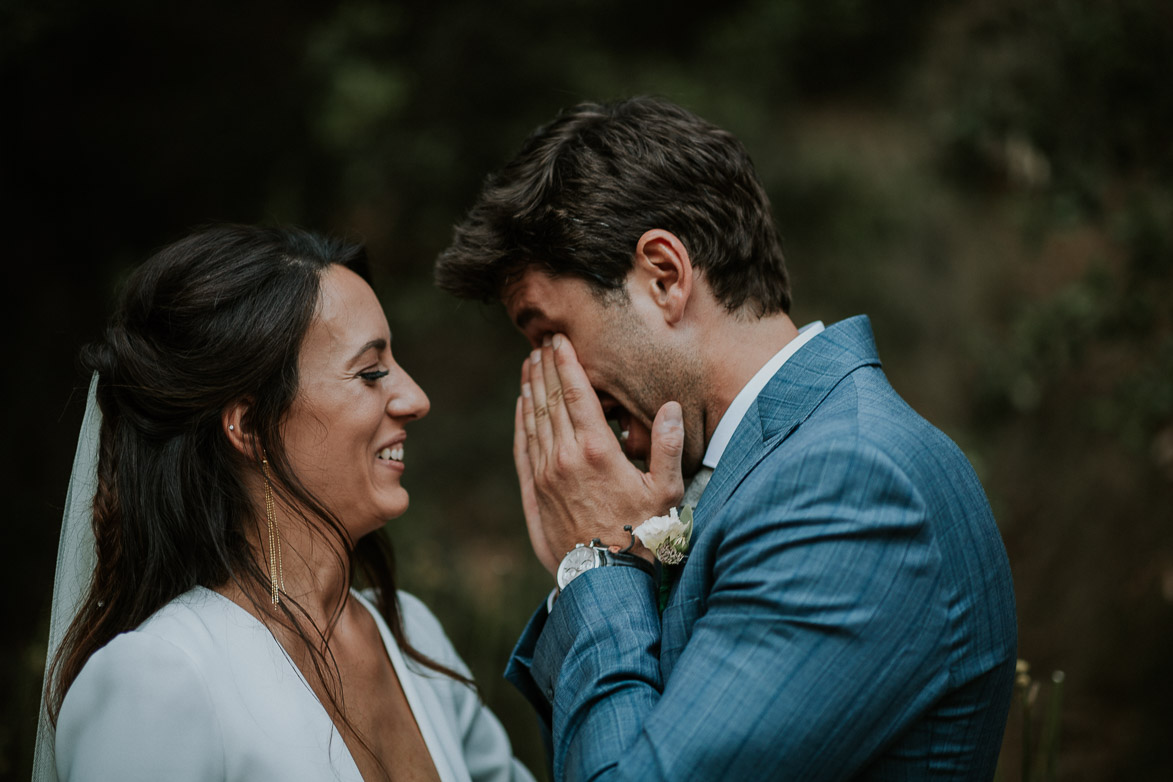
x: 991, y: 180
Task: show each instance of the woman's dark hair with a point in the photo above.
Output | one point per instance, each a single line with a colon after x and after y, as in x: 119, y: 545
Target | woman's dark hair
x: 585, y: 187
x: 213, y: 319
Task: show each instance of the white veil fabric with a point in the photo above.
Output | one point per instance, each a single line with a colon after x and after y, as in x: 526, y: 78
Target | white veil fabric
x: 75, y: 565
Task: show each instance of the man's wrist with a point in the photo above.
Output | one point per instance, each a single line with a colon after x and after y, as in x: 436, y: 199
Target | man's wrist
x: 584, y: 557
x: 624, y: 542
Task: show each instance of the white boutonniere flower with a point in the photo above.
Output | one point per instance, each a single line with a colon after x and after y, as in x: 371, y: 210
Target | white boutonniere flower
x: 667, y: 536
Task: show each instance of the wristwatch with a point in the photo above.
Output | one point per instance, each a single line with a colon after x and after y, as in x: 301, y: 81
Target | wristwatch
x: 584, y: 557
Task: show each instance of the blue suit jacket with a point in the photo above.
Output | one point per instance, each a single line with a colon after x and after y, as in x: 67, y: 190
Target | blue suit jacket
x: 846, y: 611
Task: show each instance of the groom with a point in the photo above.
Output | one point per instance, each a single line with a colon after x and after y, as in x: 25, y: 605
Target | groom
x: 845, y: 609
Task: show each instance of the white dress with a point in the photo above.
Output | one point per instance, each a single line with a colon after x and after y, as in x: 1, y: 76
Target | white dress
x: 202, y: 691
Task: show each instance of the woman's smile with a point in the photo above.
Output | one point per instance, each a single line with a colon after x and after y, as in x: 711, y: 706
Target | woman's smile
x: 345, y: 431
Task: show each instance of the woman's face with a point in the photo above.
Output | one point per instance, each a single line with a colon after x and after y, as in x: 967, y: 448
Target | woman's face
x: 344, y: 433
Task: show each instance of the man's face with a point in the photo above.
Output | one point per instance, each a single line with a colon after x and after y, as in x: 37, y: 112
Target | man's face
x: 631, y: 375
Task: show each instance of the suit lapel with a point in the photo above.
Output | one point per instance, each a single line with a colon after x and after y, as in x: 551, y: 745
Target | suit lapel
x: 785, y: 402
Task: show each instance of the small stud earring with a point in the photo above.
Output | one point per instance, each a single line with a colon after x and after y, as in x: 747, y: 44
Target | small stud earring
x: 232, y: 427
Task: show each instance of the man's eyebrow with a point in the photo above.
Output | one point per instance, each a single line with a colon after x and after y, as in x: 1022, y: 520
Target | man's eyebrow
x: 378, y: 344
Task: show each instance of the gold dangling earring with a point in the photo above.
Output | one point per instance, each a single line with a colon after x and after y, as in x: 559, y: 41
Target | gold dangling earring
x: 276, y: 571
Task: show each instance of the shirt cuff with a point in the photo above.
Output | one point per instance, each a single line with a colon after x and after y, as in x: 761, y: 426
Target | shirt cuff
x: 550, y: 599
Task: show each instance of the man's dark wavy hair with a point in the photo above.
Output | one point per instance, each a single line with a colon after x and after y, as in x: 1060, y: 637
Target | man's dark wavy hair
x: 585, y: 187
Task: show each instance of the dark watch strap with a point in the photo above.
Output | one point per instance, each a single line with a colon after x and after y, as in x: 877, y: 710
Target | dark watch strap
x: 628, y: 560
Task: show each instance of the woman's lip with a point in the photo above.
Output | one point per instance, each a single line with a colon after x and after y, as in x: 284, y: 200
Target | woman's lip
x: 394, y: 441
x: 392, y: 448
x: 390, y: 464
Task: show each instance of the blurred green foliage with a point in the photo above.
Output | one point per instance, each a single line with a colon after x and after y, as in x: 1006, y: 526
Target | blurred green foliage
x: 991, y: 180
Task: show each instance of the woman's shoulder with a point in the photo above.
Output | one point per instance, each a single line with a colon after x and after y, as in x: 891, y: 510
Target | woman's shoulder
x: 181, y: 628
x: 199, y: 687
x: 130, y: 694
x: 422, y: 628
x: 145, y: 663
x: 203, y: 624
x: 192, y: 636
x: 417, y: 616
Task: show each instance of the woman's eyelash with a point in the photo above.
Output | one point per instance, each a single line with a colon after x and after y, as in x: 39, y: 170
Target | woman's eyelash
x: 374, y: 375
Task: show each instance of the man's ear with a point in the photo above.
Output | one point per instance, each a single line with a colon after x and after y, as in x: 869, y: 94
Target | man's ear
x: 234, y: 420
x: 664, y: 271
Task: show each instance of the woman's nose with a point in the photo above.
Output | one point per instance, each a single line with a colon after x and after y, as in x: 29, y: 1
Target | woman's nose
x: 408, y: 400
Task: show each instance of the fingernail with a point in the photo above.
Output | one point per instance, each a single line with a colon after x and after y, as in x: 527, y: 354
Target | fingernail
x: 546, y: 341
x: 525, y: 390
x: 672, y: 416
x: 536, y: 357
x: 557, y: 341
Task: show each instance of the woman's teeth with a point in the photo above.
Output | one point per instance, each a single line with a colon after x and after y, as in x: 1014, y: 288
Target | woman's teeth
x: 394, y: 454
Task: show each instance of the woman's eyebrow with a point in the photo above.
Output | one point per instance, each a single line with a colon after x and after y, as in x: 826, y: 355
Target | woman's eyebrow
x: 378, y: 344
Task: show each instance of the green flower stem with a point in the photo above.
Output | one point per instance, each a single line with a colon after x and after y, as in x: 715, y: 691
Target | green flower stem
x: 1052, y: 728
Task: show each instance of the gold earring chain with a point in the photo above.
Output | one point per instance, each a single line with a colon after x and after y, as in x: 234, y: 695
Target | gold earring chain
x: 276, y: 569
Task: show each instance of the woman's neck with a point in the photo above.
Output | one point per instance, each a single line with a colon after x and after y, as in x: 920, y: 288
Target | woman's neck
x: 314, y: 570
x: 310, y: 565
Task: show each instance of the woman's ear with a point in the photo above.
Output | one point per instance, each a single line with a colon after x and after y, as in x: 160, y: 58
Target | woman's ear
x: 234, y: 421
x: 664, y: 272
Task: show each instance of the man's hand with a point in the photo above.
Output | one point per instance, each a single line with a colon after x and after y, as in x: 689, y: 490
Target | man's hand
x: 529, y: 499
x: 576, y: 483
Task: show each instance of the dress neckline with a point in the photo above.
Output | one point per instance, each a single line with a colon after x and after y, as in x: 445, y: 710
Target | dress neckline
x: 398, y: 662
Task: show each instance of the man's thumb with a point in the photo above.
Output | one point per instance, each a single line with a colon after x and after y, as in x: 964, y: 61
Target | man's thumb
x: 666, y: 450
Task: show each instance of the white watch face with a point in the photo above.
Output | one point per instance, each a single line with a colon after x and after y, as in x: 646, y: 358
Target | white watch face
x: 578, y: 560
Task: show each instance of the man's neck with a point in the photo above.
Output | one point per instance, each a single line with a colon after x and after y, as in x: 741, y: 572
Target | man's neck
x: 734, y: 350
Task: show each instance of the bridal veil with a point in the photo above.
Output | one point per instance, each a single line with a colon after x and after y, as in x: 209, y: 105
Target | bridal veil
x: 75, y: 566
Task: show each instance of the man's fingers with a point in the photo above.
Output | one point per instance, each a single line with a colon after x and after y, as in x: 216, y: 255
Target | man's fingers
x: 521, y: 445
x: 529, y: 500
x: 666, y: 450
x: 529, y: 424
x: 581, y: 402
x: 537, y: 383
x: 560, y: 423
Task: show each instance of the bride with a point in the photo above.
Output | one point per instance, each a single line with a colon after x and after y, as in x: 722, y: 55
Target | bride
x: 252, y: 443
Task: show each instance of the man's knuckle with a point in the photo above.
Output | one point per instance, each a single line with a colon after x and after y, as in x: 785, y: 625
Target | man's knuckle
x: 564, y: 461
x: 593, y: 450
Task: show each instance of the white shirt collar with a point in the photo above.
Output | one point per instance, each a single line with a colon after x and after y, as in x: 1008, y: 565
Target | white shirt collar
x: 749, y: 392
